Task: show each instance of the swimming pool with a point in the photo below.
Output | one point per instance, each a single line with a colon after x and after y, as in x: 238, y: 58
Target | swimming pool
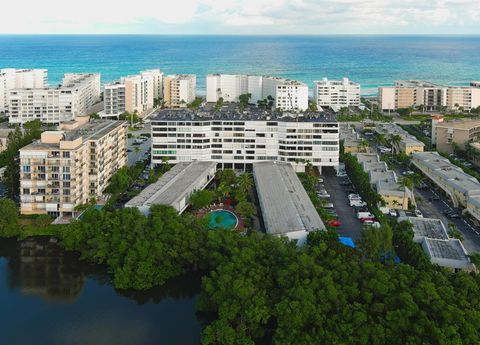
x: 222, y: 219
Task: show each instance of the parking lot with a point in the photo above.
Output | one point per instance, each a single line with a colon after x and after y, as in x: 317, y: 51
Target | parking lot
x: 351, y: 226
x: 137, y: 152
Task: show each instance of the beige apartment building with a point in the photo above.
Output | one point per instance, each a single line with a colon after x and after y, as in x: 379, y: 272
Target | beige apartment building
x: 179, y: 90
x: 456, y: 132
x: 428, y: 96
x: 408, y: 143
x: 70, y: 166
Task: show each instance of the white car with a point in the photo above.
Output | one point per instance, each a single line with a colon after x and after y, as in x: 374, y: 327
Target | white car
x: 358, y: 203
x: 328, y: 205
x: 354, y: 197
x: 392, y: 212
x: 419, y: 213
x: 323, y: 196
x: 341, y: 173
x: 320, y: 180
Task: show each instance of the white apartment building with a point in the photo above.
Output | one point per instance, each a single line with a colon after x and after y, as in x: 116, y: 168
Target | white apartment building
x: 134, y: 93
x: 336, y: 94
x: 236, y: 141
x: 68, y: 167
x: 288, y: 95
x: 179, y: 90
x: 11, y: 78
x: 157, y: 78
x: 73, y: 98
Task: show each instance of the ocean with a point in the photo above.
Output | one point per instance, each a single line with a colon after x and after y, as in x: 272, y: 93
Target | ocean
x: 370, y: 60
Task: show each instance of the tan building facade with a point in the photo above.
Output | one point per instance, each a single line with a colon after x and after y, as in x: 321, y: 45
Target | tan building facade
x: 458, y: 132
x: 179, y: 90
x: 68, y: 167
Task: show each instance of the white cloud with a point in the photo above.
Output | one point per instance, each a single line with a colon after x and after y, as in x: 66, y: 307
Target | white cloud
x: 251, y: 16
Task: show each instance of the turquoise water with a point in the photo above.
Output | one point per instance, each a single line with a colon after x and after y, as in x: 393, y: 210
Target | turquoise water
x: 221, y: 219
x: 370, y: 60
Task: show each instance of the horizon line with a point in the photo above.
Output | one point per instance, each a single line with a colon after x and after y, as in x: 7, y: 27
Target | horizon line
x: 241, y: 34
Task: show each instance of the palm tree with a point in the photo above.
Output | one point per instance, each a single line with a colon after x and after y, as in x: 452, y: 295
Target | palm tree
x: 395, y: 139
x: 380, y: 138
x: 364, y: 145
x: 245, y: 182
x: 410, y: 182
x: 223, y: 191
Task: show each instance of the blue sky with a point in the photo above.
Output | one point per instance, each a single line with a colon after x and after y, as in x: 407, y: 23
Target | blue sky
x: 243, y: 17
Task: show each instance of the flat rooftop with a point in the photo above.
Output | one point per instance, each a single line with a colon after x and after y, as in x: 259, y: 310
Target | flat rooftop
x: 446, y: 249
x: 428, y: 227
x: 448, y: 172
x: 416, y: 83
x: 393, y: 129
x: 286, y: 206
x: 251, y: 113
x: 172, y: 185
x: 459, y: 124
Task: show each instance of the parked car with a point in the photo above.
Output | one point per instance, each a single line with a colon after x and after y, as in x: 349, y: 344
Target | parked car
x: 323, y: 196
x: 354, y: 196
x: 357, y: 203
x: 370, y: 222
x: 434, y: 198
x: 328, y: 205
x: 418, y: 213
x: 408, y: 172
x: 393, y: 212
x: 320, y: 180
x: 364, y: 215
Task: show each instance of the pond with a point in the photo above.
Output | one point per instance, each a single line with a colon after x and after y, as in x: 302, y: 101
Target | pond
x: 222, y: 219
x: 49, y: 296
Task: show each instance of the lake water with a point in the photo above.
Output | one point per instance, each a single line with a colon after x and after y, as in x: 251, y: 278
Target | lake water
x: 48, y: 296
x: 369, y: 60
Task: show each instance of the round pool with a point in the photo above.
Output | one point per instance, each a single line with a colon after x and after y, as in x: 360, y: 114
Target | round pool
x: 222, y: 219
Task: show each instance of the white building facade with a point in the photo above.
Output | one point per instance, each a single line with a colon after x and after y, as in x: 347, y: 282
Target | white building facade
x: 78, y: 93
x: 336, y: 93
x: 288, y: 95
x: 11, y: 78
x: 237, y: 143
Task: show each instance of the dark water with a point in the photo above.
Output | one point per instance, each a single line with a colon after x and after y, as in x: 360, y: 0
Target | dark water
x: 369, y: 60
x: 48, y: 296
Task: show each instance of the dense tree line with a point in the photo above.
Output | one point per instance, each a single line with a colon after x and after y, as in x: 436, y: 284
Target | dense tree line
x: 9, y: 158
x: 260, y: 287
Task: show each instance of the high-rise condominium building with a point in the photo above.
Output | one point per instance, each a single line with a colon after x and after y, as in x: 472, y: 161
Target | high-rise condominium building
x: 456, y: 133
x: 68, y: 167
x: 11, y: 78
x: 135, y: 93
x: 236, y: 141
x: 179, y: 90
x: 336, y: 93
x: 428, y: 96
x: 73, y: 98
x: 287, y: 94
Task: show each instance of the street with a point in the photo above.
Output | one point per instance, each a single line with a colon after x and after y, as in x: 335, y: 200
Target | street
x: 435, y: 209
x: 138, y: 151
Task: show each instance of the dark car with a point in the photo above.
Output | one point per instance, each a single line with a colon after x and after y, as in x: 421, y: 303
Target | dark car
x: 434, y: 198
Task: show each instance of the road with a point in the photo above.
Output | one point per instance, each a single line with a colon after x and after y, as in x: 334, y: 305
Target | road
x: 435, y: 209
x: 351, y: 226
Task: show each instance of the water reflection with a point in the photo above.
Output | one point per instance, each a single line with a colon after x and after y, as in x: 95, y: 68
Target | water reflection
x: 41, y: 268
x: 64, y: 300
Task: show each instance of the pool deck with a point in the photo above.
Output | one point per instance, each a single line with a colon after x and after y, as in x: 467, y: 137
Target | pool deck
x: 204, y: 211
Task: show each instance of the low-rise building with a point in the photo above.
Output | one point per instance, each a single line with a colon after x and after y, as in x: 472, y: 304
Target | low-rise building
x: 385, y: 181
x: 286, y: 207
x: 336, y: 94
x: 462, y: 188
x: 175, y: 187
x: 474, y: 154
x: 77, y: 94
x: 448, y: 253
x: 408, y: 143
x: 352, y: 142
x: 460, y: 133
x: 237, y: 140
x: 69, y: 166
x: 426, y: 227
x: 179, y: 90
